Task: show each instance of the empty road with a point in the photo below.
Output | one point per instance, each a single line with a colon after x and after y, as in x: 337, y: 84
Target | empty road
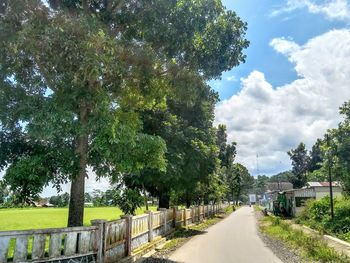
x: 234, y: 239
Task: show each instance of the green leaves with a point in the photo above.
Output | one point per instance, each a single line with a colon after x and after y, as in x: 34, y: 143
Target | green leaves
x: 300, y: 163
x: 121, y: 83
x: 128, y: 200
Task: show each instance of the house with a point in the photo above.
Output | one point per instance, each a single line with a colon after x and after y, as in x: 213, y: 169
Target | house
x: 278, y: 186
x: 272, y: 189
x: 292, y: 201
x: 43, y: 203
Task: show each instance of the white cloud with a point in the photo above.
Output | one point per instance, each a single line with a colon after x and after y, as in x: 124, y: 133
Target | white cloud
x: 332, y: 9
x: 270, y: 121
x: 231, y: 78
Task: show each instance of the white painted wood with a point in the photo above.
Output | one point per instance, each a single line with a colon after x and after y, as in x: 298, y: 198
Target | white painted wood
x: 4, y: 248
x: 21, y: 249
x: 84, y: 242
x: 55, y: 245
x: 38, y: 249
x: 70, y: 244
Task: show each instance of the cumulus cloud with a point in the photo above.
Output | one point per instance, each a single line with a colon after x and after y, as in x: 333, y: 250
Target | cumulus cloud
x: 332, y: 9
x: 269, y: 121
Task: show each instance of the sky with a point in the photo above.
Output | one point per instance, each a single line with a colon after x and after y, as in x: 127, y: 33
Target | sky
x: 296, y: 75
x: 295, y: 78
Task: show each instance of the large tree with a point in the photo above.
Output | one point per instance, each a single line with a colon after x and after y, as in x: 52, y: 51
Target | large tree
x: 240, y: 182
x: 300, y: 165
x: 261, y: 184
x: 76, y: 74
x: 336, y: 150
x: 186, y: 126
x: 316, y: 156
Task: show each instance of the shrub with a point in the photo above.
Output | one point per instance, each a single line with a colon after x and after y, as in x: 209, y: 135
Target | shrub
x: 317, y: 215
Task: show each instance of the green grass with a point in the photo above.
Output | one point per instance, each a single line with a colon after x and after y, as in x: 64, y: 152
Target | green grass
x: 309, y: 247
x: 36, y: 218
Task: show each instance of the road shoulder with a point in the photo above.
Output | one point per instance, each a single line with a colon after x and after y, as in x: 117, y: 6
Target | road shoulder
x: 278, y: 247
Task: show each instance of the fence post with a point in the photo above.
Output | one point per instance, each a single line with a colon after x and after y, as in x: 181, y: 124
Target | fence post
x: 174, y: 216
x: 165, y: 214
x: 185, y: 216
x: 128, y: 238
x: 150, y: 225
x: 99, y: 238
x: 193, y: 214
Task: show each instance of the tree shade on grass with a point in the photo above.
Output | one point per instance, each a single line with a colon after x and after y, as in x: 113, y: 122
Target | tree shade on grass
x: 35, y: 218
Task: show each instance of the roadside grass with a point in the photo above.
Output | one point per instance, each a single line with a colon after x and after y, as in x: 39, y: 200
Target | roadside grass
x: 257, y: 208
x: 183, y: 234
x: 36, y: 218
x: 309, y: 247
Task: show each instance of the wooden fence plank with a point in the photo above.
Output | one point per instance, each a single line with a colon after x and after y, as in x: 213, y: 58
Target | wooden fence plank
x: 38, y: 249
x: 4, y: 248
x: 84, y: 242
x: 55, y: 245
x: 70, y: 244
x: 21, y: 249
x: 47, y: 231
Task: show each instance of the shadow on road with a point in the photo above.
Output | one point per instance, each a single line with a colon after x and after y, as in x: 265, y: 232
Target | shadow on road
x: 158, y: 260
x: 178, y: 238
x: 187, y: 233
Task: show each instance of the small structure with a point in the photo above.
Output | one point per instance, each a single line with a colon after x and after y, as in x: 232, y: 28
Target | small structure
x: 292, y: 202
x: 278, y: 186
x: 43, y: 203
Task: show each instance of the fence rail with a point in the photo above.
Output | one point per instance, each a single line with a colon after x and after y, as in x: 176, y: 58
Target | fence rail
x: 104, y: 241
x: 47, y: 244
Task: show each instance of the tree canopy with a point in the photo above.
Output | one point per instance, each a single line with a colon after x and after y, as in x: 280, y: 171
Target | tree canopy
x: 300, y: 165
x: 81, y: 81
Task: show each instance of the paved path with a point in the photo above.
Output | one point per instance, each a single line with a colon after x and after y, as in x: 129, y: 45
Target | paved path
x: 234, y: 239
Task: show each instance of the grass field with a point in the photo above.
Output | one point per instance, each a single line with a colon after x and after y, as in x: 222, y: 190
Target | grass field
x: 34, y: 218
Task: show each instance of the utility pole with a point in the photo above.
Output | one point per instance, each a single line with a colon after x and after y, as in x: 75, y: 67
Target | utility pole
x: 330, y: 175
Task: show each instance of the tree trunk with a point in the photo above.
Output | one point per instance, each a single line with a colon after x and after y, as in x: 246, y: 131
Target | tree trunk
x: 164, y: 200
x: 77, y: 190
x: 188, y: 203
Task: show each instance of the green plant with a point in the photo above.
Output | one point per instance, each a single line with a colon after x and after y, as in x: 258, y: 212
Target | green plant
x: 128, y: 200
x: 312, y: 248
x: 317, y: 215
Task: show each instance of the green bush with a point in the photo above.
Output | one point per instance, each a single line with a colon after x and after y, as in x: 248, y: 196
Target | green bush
x: 317, y: 214
x: 312, y: 248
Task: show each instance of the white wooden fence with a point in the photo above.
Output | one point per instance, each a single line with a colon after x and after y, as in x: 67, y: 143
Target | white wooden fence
x: 104, y: 241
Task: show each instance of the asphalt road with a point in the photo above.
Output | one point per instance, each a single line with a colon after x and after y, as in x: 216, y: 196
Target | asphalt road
x: 234, y: 239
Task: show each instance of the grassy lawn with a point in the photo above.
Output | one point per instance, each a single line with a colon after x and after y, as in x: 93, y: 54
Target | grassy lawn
x: 35, y: 218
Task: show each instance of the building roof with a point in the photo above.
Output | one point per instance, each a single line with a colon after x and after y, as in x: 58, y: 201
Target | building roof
x: 270, y: 187
x: 321, y: 184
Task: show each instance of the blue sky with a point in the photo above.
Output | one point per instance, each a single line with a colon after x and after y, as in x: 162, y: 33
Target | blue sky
x: 295, y: 78
x: 299, y: 25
